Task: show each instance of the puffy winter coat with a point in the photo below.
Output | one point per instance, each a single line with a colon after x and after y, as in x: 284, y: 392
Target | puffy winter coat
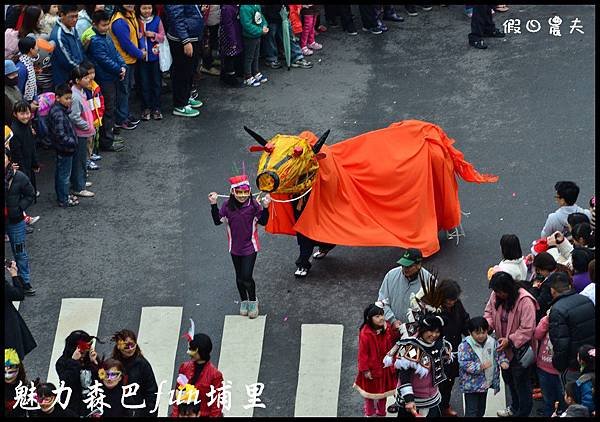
x: 61, y: 130
x: 184, y: 22
x: 572, y: 324
x: 19, y: 196
x: 107, y: 61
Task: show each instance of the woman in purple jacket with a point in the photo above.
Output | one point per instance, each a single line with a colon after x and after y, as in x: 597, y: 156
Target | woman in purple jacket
x: 231, y: 45
x: 241, y: 213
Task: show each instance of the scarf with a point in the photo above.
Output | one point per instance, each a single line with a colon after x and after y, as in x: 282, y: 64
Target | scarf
x: 30, y: 83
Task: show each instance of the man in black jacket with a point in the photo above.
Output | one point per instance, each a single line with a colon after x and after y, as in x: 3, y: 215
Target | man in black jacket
x: 18, y: 196
x: 572, y: 324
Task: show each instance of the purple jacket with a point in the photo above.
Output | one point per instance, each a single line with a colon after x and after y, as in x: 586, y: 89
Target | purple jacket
x: 230, y: 31
x: 242, y: 225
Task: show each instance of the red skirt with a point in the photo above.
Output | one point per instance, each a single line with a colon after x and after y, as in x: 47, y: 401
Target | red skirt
x: 382, y: 385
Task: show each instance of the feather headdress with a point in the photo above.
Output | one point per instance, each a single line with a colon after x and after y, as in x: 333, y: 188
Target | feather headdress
x: 432, y: 299
x: 190, y: 333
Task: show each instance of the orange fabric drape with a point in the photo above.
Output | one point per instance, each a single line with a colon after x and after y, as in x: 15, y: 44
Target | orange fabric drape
x: 390, y: 187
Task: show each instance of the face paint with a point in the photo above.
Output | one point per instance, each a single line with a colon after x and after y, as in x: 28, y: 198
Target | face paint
x: 10, y: 373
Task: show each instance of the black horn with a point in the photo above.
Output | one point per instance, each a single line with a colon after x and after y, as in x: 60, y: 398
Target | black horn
x: 317, y: 147
x: 256, y: 136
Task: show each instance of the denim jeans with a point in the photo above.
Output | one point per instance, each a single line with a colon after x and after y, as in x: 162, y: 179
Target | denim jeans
x: 62, y: 176
x: 16, y: 234
x: 552, y: 391
x: 518, y: 381
x: 150, y: 85
x: 475, y: 404
x: 123, y: 90
x: 79, y: 164
x: 273, y: 37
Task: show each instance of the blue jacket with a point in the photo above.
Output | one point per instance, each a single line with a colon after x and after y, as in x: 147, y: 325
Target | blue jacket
x: 184, y: 22
x: 584, y: 391
x: 67, y: 54
x: 61, y: 130
x: 146, y: 42
x: 107, y: 61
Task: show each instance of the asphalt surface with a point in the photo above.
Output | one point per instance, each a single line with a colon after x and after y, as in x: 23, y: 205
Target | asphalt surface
x: 522, y: 109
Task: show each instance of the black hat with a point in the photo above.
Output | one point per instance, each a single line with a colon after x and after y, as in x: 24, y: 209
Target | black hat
x: 201, y: 343
x: 411, y: 256
x: 431, y: 322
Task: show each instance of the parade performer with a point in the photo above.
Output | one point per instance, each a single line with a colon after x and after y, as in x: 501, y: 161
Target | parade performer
x: 374, y: 382
x: 200, y: 373
x: 395, y: 186
x: 241, y: 213
x: 420, y: 355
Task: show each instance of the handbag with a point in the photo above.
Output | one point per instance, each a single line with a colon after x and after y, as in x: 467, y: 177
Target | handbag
x: 164, y: 56
x: 524, y: 355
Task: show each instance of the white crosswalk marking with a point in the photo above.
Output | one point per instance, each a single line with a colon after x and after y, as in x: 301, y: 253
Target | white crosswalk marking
x: 239, y: 359
x: 158, y: 337
x: 319, y: 370
x: 75, y: 314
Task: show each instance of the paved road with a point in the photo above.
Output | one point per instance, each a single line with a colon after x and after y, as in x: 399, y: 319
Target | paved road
x: 523, y: 109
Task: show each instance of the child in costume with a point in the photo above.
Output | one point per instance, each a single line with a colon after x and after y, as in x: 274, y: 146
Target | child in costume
x: 241, y: 213
x: 374, y: 382
x: 200, y: 373
x: 479, y: 366
x: 420, y: 362
x: 14, y: 372
x: 421, y: 354
x: 113, y: 377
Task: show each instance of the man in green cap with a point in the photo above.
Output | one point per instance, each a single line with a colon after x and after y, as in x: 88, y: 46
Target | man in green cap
x: 396, y: 289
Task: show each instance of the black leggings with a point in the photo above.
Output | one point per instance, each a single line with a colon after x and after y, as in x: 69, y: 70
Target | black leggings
x: 244, y: 266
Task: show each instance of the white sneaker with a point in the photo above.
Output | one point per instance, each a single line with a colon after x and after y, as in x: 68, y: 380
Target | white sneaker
x: 85, y: 193
x: 244, y: 308
x: 88, y: 184
x: 315, y: 46
x: 30, y: 221
x: 505, y: 413
x: 251, y: 82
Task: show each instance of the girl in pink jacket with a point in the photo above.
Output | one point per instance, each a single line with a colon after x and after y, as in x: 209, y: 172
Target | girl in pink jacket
x: 552, y: 390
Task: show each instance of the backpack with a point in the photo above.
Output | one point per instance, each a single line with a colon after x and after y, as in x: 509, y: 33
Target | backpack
x: 11, y: 43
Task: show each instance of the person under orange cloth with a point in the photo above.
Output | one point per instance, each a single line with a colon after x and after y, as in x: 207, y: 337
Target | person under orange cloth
x: 394, y: 186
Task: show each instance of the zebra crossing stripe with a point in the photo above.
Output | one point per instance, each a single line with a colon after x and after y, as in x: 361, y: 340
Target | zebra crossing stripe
x: 75, y: 314
x: 239, y: 359
x: 319, y: 370
x: 158, y: 337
